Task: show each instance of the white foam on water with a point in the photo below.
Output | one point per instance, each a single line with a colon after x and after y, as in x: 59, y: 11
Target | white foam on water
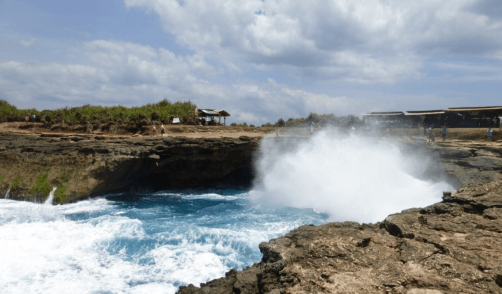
x: 27, y: 212
x: 91, y: 205
x: 208, y: 196
x: 44, y: 251
x: 202, y: 253
x: 349, y: 178
x: 213, y: 196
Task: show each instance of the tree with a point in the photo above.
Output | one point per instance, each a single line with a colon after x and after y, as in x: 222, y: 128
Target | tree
x: 280, y: 123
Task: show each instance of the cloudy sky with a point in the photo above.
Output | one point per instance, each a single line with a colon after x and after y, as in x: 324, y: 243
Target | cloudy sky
x: 258, y: 59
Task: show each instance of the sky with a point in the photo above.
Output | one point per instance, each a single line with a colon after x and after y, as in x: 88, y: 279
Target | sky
x: 260, y: 60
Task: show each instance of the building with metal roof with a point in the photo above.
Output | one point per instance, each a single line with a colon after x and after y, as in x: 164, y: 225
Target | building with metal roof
x: 207, y: 116
x: 460, y: 117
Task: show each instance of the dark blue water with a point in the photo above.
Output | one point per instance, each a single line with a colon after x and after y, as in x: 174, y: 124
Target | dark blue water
x: 136, y: 243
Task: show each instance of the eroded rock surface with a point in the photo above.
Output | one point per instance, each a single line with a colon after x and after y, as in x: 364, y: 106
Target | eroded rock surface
x: 454, y: 246
x: 98, y: 164
x: 470, y: 162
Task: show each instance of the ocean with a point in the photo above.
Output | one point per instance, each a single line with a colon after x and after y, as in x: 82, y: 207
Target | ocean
x: 136, y: 243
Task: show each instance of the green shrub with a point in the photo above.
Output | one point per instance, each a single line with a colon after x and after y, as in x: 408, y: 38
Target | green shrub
x: 41, y: 186
x: 16, y: 183
x: 64, y: 176
x: 162, y: 110
x: 60, y: 193
x: 280, y: 123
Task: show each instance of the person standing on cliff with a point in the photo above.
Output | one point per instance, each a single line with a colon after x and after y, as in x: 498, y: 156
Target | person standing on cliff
x: 432, y: 138
x: 443, y: 132
x: 154, y: 130
x: 162, y: 130
x: 489, y: 134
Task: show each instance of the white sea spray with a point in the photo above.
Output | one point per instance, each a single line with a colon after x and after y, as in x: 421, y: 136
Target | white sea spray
x: 348, y: 177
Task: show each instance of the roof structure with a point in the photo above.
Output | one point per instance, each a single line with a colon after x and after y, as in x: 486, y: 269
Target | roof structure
x: 392, y: 113
x: 484, y: 108
x: 424, y: 112
x: 212, y: 112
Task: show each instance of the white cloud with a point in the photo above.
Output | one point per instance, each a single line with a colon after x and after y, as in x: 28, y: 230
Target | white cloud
x: 116, y: 72
x: 28, y: 43
x: 369, y: 41
x: 348, y: 48
x: 109, y: 72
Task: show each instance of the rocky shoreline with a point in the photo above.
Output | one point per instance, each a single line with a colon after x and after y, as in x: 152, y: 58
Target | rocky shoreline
x: 450, y: 247
x: 95, y: 165
x: 88, y: 165
x: 454, y: 246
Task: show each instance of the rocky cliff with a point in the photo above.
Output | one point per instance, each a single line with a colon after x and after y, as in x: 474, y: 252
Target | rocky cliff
x: 82, y: 166
x: 85, y: 165
x: 451, y: 247
x: 454, y: 246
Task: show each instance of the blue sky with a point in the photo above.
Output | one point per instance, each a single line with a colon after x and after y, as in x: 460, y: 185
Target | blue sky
x: 258, y: 59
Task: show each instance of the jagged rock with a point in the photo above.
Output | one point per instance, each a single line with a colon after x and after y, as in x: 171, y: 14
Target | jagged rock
x: 55, y: 127
x: 78, y: 128
x: 451, y: 247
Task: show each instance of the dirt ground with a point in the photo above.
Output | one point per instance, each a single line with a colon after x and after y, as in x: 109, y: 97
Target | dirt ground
x: 170, y: 131
x: 462, y: 134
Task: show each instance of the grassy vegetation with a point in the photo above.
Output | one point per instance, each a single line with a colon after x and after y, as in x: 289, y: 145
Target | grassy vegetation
x: 322, y: 119
x: 41, y: 185
x: 31, y: 178
x: 7, y: 110
x: 15, y: 183
x: 60, y: 193
x: 64, y: 177
x: 161, y: 111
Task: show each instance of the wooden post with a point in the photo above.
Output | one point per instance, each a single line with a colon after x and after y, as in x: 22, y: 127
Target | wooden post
x: 219, y: 122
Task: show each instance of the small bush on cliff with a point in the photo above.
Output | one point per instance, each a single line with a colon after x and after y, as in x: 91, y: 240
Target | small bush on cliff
x: 60, y: 193
x: 15, y: 183
x: 64, y: 176
x: 41, y: 186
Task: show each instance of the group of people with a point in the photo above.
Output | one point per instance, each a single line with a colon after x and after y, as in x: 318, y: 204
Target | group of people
x: 162, y: 130
x: 432, y: 136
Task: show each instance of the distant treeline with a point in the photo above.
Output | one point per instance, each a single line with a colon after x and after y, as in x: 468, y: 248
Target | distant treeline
x: 162, y: 111
x: 321, y: 119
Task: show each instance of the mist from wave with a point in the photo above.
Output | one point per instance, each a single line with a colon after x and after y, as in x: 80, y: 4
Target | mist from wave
x: 350, y: 177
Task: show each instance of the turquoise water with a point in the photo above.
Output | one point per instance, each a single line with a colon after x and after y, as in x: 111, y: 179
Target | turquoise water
x: 141, y: 243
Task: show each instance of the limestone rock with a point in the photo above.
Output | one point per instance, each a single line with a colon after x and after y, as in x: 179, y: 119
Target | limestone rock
x: 450, y: 247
